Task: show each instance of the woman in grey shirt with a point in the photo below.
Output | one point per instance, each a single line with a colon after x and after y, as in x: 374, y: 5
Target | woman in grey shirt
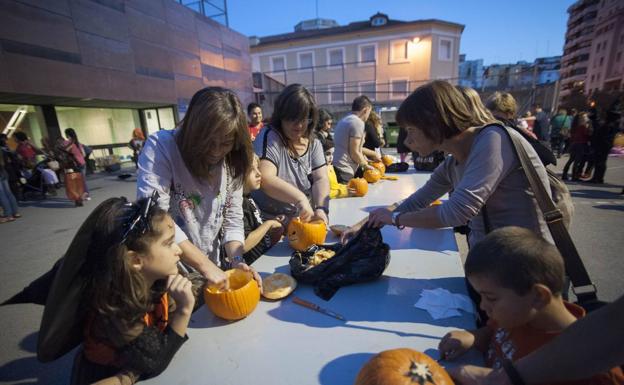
x: 292, y: 162
x: 482, y: 167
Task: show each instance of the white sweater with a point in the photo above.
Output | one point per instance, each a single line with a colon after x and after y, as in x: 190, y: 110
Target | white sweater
x: 197, y: 207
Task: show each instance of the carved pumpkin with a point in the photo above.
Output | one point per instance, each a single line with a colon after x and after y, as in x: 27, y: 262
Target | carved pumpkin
x: 239, y: 301
x: 302, y: 235
x: 372, y: 176
x: 360, y: 185
x: 402, y: 367
x: 379, y: 166
x: 387, y: 160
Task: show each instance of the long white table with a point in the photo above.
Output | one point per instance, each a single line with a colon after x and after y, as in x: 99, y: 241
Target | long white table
x: 284, y: 343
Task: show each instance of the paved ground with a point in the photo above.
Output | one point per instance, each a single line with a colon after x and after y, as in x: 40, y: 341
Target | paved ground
x: 28, y: 248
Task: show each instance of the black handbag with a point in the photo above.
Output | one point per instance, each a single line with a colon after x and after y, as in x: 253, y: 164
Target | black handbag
x: 364, y: 258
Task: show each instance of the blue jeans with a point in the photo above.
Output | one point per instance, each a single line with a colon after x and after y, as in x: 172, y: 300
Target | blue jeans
x: 7, y: 199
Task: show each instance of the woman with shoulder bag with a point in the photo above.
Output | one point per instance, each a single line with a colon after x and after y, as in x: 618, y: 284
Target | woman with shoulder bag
x: 73, y: 146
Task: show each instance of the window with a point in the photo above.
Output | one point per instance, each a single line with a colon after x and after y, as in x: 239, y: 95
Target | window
x: 399, y: 88
x: 618, y: 56
x: 445, y: 52
x: 336, y: 93
x: 335, y: 57
x: 367, y: 54
x: 601, y: 61
x: 306, y: 61
x: 278, y: 63
x: 399, y: 51
x: 369, y: 89
x: 597, y: 47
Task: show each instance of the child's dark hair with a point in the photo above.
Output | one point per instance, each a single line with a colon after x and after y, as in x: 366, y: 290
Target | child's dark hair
x: 517, y: 259
x: 117, y: 290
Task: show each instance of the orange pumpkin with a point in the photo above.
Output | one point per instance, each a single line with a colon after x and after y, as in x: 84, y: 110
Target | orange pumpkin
x: 379, y: 166
x: 359, y: 185
x: 387, y: 160
x: 402, y: 367
x: 239, y: 301
x: 372, y: 176
x: 302, y: 235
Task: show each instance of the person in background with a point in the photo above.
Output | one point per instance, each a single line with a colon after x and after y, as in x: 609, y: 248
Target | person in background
x: 292, y: 163
x: 136, y: 144
x: 526, y: 311
x: 7, y: 199
x: 12, y: 166
x: 26, y: 150
x: 373, y: 141
x: 559, y: 129
x: 254, y: 113
x: 541, y: 125
x: 73, y: 146
x: 260, y: 235
x: 349, y: 135
x: 504, y: 108
x: 579, y: 146
x: 323, y: 129
x: 602, y: 139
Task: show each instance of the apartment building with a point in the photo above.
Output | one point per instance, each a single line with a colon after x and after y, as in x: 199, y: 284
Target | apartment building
x: 606, y: 64
x: 577, y: 47
x: 382, y: 58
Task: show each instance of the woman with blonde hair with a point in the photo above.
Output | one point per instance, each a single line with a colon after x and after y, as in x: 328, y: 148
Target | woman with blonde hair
x: 373, y: 139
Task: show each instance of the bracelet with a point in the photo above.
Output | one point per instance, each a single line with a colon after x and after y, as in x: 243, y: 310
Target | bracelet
x: 512, y: 373
x: 324, y: 208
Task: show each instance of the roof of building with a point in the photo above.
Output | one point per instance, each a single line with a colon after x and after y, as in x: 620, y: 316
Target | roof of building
x: 358, y: 26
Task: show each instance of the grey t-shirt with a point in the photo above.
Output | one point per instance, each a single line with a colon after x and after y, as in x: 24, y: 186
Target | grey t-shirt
x: 491, y: 174
x: 349, y: 127
x: 269, y: 145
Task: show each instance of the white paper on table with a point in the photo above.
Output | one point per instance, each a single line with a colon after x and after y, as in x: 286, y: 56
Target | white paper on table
x: 441, y: 303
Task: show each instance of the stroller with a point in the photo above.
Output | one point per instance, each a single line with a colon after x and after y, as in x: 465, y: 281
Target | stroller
x: 38, y: 182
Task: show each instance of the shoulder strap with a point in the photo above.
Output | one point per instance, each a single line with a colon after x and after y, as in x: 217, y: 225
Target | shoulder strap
x: 583, y: 287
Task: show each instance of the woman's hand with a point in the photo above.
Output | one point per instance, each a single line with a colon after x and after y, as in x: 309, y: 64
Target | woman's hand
x: 245, y: 267
x: 215, y: 276
x: 380, y: 217
x: 455, y: 343
x: 179, y: 287
x: 349, y: 233
x: 305, y: 210
x: 320, y: 214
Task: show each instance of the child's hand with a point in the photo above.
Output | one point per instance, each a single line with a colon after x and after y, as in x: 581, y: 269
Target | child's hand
x: 455, y: 343
x: 256, y: 276
x: 179, y: 287
x: 469, y: 374
x: 305, y: 210
x: 274, y: 224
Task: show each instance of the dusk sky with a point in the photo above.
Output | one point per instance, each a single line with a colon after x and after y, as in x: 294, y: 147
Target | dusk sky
x: 500, y: 31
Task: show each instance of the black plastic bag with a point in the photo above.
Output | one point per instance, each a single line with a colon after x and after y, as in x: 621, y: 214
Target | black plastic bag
x: 363, y: 258
x: 429, y: 162
x: 397, y: 167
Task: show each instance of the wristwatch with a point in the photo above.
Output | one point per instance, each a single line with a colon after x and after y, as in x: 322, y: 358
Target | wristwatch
x: 235, y: 260
x: 395, y: 220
